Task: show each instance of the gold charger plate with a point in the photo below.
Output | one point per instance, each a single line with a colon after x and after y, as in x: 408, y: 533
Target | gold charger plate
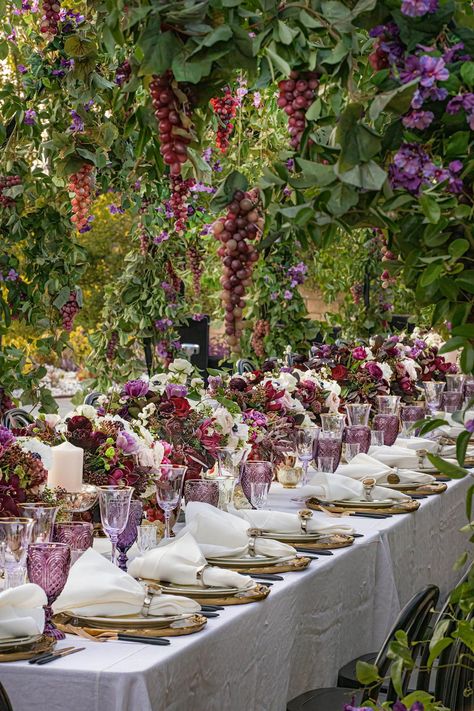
x: 295, y: 565
x: 400, y: 507
x: 425, y: 489
x: 333, y: 540
x: 190, y: 625
x: 41, y: 646
x: 255, y: 594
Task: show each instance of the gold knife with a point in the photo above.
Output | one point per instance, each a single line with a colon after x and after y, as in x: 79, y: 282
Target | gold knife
x: 66, y: 653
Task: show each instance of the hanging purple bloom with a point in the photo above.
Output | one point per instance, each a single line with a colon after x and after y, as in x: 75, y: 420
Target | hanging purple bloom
x: 21, y: 68
x: 418, y: 119
x: 274, y: 295
x: 207, y: 154
x: 116, y: 209
x: 432, y: 69
x: 257, y: 99
x: 290, y: 164
x: 30, y: 117
x: 162, y: 237
x: 77, y: 125
x: 6, y: 436
x: 136, y: 388
x: 163, y: 324
x: 198, y: 317
x: 12, y: 275
x: 411, y: 70
x: 418, y: 8
x: 288, y: 295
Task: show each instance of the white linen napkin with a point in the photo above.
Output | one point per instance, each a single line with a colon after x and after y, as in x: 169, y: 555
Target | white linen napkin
x: 363, y: 465
x: 21, y: 611
x: 221, y: 534
x: 179, y: 561
x: 395, y: 456
x: 451, y: 428
x: 279, y: 522
x: 417, y: 443
x: 98, y: 588
x: 449, y: 451
x: 335, y: 487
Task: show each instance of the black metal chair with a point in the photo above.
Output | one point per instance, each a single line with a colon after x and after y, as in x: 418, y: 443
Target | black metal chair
x: 91, y: 399
x: 16, y: 418
x: 244, y: 366
x: 413, y: 619
x: 5, y: 704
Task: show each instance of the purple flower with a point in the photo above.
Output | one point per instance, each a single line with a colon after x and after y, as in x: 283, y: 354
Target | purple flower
x: 173, y: 390
x: 411, y: 70
x: 162, y: 349
x: 77, y: 125
x: 257, y: 99
x: 290, y: 164
x: 297, y: 274
x: 374, y: 370
x: 274, y: 295
x: 217, y: 167
x: 198, y: 317
x: 126, y: 442
x: 207, y: 154
x: 418, y: 119
x: 21, y: 68
x: 116, y: 209
x: 163, y: 324
x: 411, y: 168
x: 451, y: 54
x: 469, y: 425
x: 136, y: 388
x: 162, y: 237
x: 30, y: 117
x: 214, y: 382
x: 432, y: 69
x: 418, y: 8
x: 287, y: 191
x: 6, y: 436
x: 12, y: 275
x: 288, y: 295
x: 359, y: 353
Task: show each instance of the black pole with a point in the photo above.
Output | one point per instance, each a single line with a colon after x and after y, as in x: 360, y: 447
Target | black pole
x: 148, y: 355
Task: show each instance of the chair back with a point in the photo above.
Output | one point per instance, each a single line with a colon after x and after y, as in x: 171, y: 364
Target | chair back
x: 5, y: 704
x: 413, y: 619
x: 244, y: 366
x: 16, y: 418
x: 91, y: 399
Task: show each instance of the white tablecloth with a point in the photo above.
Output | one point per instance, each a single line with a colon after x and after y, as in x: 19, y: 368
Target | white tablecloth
x: 258, y: 656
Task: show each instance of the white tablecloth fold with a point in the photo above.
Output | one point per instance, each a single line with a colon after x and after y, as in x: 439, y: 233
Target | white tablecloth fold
x: 279, y: 521
x: 363, y: 465
x: 96, y: 587
x: 219, y: 533
x: 179, y: 561
x: 335, y: 487
x: 21, y: 611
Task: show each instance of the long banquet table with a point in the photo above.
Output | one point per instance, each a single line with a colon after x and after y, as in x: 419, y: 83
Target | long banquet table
x: 257, y: 656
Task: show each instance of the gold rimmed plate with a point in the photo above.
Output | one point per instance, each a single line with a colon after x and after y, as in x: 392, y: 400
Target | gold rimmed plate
x: 126, y: 621
x: 245, y: 561
x: 199, y: 590
x: 16, y: 644
x: 351, y: 503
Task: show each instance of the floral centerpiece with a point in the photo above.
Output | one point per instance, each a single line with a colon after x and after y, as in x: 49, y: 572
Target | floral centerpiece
x: 22, y: 474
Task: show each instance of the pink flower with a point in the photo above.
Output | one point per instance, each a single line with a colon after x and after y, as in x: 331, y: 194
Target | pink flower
x: 359, y: 353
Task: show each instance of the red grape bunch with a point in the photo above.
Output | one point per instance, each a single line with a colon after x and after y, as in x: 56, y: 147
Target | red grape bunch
x: 237, y: 232
x: 180, y: 191
x: 261, y: 329
x: 296, y: 96
x: 196, y: 266
x: 356, y: 292
x: 225, y: 109
x: 50, y: 19
x: 82, y: 185
x: 69, y: 311
x: 8, y: 181
x: 112, y: 346
x: 144, y: 238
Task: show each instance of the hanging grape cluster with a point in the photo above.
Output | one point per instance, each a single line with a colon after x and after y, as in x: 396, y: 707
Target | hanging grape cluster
x: 112, y: 346
x: 357, y: 291
x: 261, y: 329
x: 8, y: 181
x: 196, y: 265
x: 69, y: 311
x: 82, y: 185
x: 225, y: 109
x: 180, y: 191
x: 237, y: 232
x: 296, y: 95
x: 50, y: 19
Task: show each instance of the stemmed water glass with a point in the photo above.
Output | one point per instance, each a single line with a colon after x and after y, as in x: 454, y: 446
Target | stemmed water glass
x: 305, y: 437
x: 44, y: 516
x: 259, y: 493
x: 114, y: 504
x: 169, y: 485
x: 433, y: 394
x: 15, y: 536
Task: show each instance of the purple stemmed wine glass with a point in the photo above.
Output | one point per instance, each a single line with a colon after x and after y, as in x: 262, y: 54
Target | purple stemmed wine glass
x: 255, y: 472
x: 48, y: 566
x: 127, y: 538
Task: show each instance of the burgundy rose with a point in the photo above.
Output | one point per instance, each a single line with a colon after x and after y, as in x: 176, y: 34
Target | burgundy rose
x: 207, y: 435
x: 166, y: 407
x: 79, y: 422
x: 359, y: 353
x: 374, y: 370
x: 271, y: 393
x: 181, y: 406
x: 238, y: 383
x: 339, y: 372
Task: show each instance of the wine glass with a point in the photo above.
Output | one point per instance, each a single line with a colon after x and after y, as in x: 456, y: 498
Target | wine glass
x: 433, y: 394
x: 146, y: 537
x: 326, y: 465
x: 305, y: 437
x: 169, y: 484
x: 44, y: 516
x: 351, y: 450
x: 114, y: 504
x: 15, y: 536
x: 48, y: 566
x: 127, y: 538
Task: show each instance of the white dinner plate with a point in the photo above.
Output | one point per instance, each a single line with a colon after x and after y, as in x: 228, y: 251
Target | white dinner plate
x: 381, y: 503
x: 247, y: 561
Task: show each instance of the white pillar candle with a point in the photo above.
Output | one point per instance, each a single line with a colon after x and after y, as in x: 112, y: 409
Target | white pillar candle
x: 66, y: 469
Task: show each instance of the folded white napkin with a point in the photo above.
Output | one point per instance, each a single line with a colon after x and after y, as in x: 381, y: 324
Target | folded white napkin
x: 363, y: 465
x: 335, y: 487
x: 451, y: 428
x: 449, y: 450
x: 179, y: 561
x: 21, y: 611
x: 417, y: 443
x: 219, y: 534
x: 279, y: 522
x: 97, y: 587
x: 395, y: 456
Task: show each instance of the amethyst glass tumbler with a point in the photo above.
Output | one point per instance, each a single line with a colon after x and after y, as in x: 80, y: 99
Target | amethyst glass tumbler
x: 329, y: 445
x: 358, y: 434
x: 127, y: 538
x: 255, y: 472
x: 48, y: 566
x: 389, y: 425
x: 79, y: 535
